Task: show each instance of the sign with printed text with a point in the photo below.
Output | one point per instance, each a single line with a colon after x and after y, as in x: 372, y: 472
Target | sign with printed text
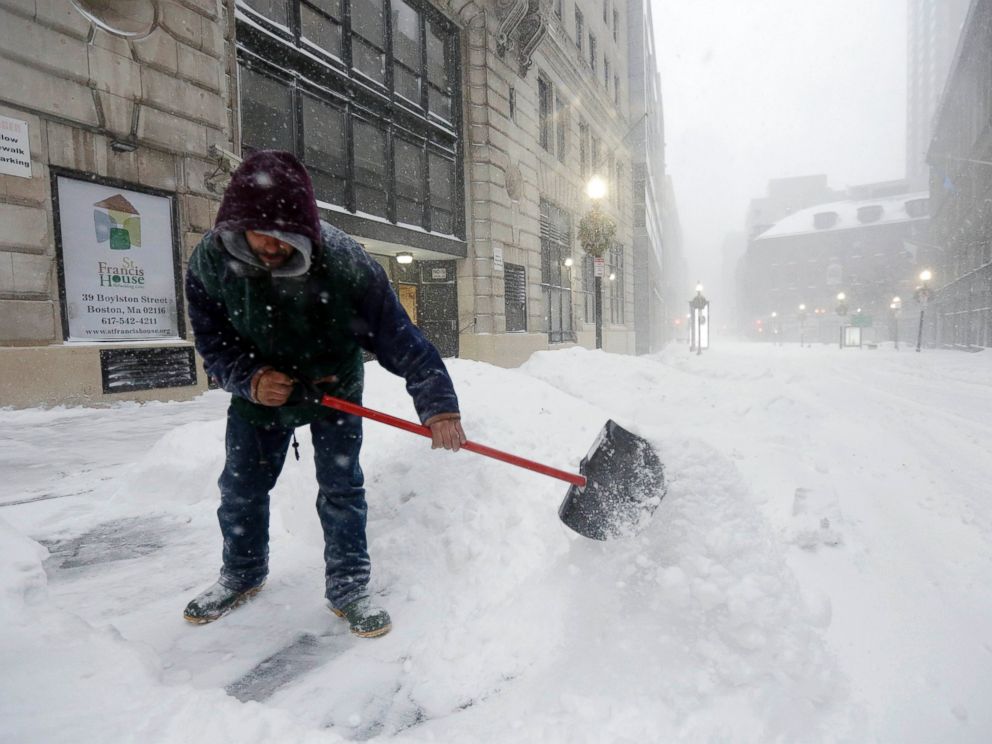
x: 118, y: 263
x: 498, y: 256
x: 15, y: 148
x: 599, y: 266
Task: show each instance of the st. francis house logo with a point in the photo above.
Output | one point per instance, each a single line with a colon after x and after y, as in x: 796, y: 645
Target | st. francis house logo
x: 117, y: 221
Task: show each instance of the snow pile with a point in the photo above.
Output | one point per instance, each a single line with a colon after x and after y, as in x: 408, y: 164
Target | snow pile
x: 741, y: 612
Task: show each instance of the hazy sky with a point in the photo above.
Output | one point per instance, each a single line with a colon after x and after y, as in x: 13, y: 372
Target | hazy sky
x: 760, y: 89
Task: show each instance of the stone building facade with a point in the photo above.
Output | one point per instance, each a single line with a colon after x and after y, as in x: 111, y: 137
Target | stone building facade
x: 960, y: 157
x: 453, y: 138
x: 113, y: 114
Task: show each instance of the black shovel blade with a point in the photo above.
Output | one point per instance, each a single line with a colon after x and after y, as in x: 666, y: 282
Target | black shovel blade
x: 625, y: 482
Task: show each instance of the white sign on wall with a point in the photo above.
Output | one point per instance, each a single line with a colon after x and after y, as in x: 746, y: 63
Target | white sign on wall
x: 498, y: 256
x: 15, y: 148
x: 118, y: 263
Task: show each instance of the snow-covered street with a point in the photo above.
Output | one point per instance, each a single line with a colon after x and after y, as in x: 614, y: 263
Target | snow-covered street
x: 819, y: 570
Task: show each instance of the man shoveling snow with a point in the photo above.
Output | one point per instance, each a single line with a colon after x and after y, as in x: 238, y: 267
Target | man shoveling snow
x: 276, y: 298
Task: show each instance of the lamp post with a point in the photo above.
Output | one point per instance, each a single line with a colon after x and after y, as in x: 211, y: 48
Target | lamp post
x: 923, y: 293
x: 596, y: 233
x: 841, y: 311
x: 696, y: 306
x: 776, y: 328
x: 895, y: 306
x: 819, y: 312
x: 802, y: 325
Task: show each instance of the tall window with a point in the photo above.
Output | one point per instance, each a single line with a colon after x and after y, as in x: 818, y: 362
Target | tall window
x: 592, y: 53
x: 616, y: 25
x: 367, y: 99
x: 618, y: 187
x: 556, y: 280
x: 606, y: 73
x: 544, y: 101
x: 616, y: 90
x: 583, y: 149
x: 580, y: 28
x: 561, y: 126
x: 606, y: 11
x: 594, y: 153
x: 615, y: 290
x: 515, y: 297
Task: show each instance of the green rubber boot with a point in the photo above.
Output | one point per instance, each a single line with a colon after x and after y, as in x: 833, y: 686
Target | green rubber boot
x: 366, y: 620
x: 216, y: 602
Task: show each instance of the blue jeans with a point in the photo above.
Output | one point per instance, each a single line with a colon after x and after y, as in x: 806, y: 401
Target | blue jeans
x: 255, y: 457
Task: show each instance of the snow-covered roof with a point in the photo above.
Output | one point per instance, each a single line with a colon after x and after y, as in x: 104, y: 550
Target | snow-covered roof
x: 850, y: 214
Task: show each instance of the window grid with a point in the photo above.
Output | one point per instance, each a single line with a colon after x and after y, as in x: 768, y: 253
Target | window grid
x: 315, y: 64
x: 556, y: 278
x: 616, y: 285
x: 515, y: 297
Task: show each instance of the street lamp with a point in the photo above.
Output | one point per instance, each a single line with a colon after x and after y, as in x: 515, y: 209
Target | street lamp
x: 895, y: 306
x: 596, y: 189
x: 819, y: 312
x: 841, y: 311
x: 802, y: 325
x: 596, y: 234
x: 776, y: 327
x: 696, y: 306
x: 922, y: 295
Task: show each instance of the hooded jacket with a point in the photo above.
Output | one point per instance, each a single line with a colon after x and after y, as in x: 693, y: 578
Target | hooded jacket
x: 309, y: 326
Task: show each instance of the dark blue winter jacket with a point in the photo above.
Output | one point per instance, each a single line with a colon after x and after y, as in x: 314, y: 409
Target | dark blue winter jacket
x: 309, y: 327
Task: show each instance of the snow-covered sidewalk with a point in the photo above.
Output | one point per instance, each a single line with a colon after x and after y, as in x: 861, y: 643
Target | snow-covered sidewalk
x: 819, y: 570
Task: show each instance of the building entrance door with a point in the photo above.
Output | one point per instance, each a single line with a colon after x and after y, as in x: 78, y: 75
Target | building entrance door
x: 408, y: 299
x: 437, y: 306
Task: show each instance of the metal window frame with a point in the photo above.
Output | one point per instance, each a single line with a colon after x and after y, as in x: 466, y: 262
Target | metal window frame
x: 515, y: 293
x: 282, y: 55
x: 556, y: 245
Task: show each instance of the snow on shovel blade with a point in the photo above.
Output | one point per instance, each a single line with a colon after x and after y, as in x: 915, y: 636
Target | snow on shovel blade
x: 625, y: 484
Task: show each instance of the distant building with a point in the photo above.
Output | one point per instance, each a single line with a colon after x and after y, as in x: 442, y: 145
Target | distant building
x: 651, y: 326
x: 864, y: 248
x: 677, y: 282
x: 785, y: 196
x: 934, y: 27
x: 960, y: 160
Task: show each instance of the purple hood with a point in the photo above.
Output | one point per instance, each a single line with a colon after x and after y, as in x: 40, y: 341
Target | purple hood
x: 270, y: 190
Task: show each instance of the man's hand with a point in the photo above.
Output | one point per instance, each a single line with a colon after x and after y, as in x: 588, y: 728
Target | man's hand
x: 446, y: 431
x: 271, y: 387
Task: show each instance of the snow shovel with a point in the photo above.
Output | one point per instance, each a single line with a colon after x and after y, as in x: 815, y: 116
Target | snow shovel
x: 621, y: 483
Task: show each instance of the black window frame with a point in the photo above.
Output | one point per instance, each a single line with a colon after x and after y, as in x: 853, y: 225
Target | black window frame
x: 561, y: 125
x: 515, y: 297
x: 615, y: 292
x: 545, y: 112
x: 584, y: 160
x: 580, y: 29
x: 556, y: 277
x: 283, y: 55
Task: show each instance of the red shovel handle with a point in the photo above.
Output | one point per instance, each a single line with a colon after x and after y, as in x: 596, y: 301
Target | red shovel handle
x: 481, y: 449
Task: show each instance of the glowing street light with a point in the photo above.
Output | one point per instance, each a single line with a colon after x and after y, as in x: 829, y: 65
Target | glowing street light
x: 697, y: 306
x: 596, y: 188
x: 923, y: 294
x: 596, y: 234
